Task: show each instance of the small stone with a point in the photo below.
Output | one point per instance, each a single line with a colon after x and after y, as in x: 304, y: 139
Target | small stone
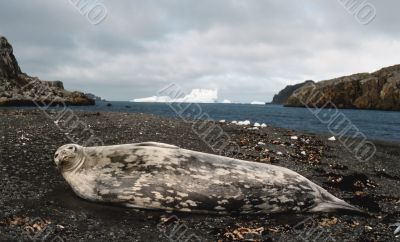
x: 354, y: 224
x: 59, y: 226
x: 294, y: 138
x: 369, y: 228
x: 359, y: 193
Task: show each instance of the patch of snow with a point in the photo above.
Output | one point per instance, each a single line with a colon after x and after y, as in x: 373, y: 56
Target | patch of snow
x: 257, y: 125
x: 246, y: 122
x: 263, y: 125
x: 294, y: 138
x: 332, y: 138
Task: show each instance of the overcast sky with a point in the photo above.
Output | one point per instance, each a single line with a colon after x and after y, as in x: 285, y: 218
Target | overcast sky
x: 249, y: 50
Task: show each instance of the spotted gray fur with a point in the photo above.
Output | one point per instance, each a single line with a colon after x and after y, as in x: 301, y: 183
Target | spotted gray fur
x: 161, y: 176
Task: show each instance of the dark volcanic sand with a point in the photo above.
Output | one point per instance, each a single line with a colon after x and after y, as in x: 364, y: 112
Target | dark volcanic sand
x: 31, y: 186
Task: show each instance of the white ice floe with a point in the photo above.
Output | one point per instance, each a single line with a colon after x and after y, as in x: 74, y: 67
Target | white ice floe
x: 222, y: 121
x: 234, y: 122
x: 243, y: 123
x: 263, y: 125
x: 257, y: 125
x: 294, y: 138
x: 332, y: 138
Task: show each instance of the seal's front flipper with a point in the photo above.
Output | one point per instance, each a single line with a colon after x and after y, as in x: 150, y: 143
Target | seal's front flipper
x: 159, y: 145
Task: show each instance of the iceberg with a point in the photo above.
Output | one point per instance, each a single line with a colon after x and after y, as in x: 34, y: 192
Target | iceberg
x: 195, y: 96
x: 153, y: 99
x: 257, y: 103
x: 226, y: 101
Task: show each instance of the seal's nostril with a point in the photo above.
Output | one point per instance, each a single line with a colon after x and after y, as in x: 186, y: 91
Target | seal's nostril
x: 56, y: 155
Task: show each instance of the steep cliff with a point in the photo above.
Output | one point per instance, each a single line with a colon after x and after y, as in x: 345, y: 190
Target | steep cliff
x: 8, y: 64
x: 17, y: 88
x: 378, y: 90
x: 283, y: 95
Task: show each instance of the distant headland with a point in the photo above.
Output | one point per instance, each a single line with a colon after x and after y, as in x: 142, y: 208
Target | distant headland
x: 378, y: 90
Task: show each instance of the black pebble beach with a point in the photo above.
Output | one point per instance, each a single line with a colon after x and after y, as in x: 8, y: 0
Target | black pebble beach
x: 36, y: 202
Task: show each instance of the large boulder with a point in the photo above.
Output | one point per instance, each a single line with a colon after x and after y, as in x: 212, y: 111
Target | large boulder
x: 17, y: 88
x: 378, y: 90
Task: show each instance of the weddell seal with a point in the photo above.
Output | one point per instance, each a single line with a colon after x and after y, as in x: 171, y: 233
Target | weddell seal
x: 160, y: 176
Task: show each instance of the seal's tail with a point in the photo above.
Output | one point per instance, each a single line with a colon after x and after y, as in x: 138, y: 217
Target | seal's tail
x: 335, y: 206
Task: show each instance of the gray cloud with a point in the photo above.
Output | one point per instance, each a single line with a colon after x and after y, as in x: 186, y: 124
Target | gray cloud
x: 249, y: 50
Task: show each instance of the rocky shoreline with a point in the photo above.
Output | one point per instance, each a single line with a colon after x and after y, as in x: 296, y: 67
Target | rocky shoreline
x: 20, y: 89
x: 378, y: 90
x: 284, y: 94
x: 36, y: 201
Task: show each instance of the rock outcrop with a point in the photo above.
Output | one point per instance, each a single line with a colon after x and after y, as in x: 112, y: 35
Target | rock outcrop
x: 378, y: 90
x: 17, y: 88
x: 96, y: 98
x: 8, y: 64
x: 283, y: 95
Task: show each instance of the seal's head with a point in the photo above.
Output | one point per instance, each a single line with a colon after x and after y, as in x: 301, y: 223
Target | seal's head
x: 69, y: 157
